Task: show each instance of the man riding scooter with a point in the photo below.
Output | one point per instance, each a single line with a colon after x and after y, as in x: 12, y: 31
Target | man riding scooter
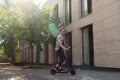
x: 60, y: 49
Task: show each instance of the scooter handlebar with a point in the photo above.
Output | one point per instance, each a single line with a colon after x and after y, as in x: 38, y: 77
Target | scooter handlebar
x: 69, y: 47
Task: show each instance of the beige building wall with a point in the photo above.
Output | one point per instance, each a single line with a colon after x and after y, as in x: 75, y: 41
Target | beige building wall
x: 51, y: 54
x: 34, y: 54
x: 105, y: 18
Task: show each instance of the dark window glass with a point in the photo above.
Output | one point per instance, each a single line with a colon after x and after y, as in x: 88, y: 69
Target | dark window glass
x: 68, y: 11
x: 86, y: 7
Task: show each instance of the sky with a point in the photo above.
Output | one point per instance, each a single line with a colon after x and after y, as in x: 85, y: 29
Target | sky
x: 40, y: 1
x: 43, y: 1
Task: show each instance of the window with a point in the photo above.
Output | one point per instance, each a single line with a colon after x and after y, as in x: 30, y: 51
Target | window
x: 68, y: 18
x: 88, y: 45
x: 55, y: 12
x: 86, y: 7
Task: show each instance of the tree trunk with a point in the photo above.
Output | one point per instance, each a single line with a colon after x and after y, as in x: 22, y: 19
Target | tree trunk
x: 13, y: 58
x: 46, y: 53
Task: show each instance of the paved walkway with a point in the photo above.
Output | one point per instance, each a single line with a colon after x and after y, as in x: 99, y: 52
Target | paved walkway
x: 9, y: 72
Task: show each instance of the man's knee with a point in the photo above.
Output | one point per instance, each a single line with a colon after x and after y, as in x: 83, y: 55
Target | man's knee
x: 63, y: 58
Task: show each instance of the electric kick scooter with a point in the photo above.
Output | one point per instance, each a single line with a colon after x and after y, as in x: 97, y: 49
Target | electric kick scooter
x: 68, y: 68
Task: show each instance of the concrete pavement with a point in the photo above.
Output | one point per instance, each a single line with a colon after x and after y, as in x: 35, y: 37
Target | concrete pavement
x: 10, y: 72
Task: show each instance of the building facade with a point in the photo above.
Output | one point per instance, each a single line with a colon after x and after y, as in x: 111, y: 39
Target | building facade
x: 93, y: 30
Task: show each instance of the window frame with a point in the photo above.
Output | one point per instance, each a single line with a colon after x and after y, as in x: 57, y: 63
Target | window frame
x: 89, y: 8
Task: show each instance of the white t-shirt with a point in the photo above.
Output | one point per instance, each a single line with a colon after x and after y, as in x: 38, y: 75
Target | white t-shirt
x: 58, y: 40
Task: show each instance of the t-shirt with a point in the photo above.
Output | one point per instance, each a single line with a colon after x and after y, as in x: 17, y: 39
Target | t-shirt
x: 58, y: 39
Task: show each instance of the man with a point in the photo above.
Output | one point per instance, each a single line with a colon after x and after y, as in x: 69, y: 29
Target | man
x: 60, y: 48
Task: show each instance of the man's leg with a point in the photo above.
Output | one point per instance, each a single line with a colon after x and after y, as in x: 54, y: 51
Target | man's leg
x: 61, y: 57
x: 58, y: 64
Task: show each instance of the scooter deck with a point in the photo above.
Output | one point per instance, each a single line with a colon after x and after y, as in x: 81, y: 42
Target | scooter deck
x: 72, y: 71
x: 63, y: 71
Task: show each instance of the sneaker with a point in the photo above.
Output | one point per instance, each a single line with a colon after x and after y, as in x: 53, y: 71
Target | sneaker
x: 56, y: 69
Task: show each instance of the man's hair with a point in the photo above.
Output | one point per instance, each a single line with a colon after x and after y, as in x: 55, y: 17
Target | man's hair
x: 60, y: 29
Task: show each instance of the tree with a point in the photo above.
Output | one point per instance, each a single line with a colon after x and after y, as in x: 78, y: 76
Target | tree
x: 11, y: 24
x: 37, y: 22
x: 24, y: 23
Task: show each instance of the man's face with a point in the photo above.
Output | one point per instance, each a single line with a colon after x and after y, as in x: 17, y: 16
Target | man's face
x: 63, y: 32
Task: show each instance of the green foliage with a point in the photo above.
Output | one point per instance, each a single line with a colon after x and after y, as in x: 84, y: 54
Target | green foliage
x: 5, y: 58
x: 10, y: 23
x: 24, y: 22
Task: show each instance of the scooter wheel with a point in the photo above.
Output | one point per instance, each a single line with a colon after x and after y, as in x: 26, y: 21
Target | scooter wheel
x: 52, y: 72
x: 72, y: 72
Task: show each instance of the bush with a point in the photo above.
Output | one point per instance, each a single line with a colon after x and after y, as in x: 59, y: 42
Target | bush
x: 4, y: 58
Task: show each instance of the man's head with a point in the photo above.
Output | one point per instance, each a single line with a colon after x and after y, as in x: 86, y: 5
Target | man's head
x: 61, y: 31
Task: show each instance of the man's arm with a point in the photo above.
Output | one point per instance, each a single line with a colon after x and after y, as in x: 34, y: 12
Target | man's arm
x: 62, y: 46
